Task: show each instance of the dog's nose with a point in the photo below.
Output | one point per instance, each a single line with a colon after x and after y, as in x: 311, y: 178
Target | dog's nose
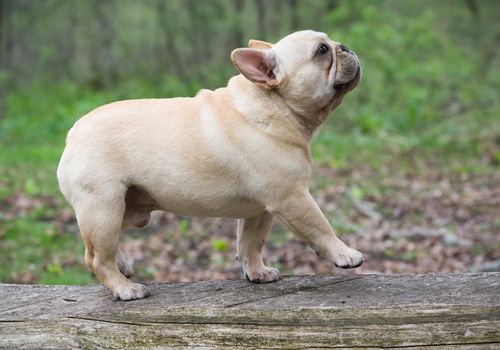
x: 344, y: 48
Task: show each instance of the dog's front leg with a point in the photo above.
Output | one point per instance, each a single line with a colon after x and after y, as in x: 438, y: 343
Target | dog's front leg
x: 304, y: 218
x: 252, y: 235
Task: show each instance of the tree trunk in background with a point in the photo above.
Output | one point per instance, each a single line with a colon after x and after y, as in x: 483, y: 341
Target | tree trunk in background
x: 201, y: 37
x: 331, y: 5
x: 5, y: 47
x: 237, y: 31
x: 473, y: 8
x: 294, y: 16
x: 170, y: 53
x: 103, y: 59
x: 261, y: 20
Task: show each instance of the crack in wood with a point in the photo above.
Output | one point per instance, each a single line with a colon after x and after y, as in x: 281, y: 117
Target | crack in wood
x: 30, y: 303
x: 201, y: 322
x: 110, y: 321
x: 292, y: 292
x: 385, y: 317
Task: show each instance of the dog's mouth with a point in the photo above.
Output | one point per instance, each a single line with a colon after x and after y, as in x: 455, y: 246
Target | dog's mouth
x: 349, y: 85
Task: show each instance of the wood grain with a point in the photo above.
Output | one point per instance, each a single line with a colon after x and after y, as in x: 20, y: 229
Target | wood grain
x: 380, y: 311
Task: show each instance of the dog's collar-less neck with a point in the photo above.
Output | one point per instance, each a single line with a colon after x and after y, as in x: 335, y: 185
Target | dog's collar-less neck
x: 310, y: 124
x: 273, y: 115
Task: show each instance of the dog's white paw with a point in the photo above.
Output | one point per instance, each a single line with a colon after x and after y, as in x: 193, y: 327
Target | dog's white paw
x: 263, y: 275
x: 348, y: 258
x: 131, y: 292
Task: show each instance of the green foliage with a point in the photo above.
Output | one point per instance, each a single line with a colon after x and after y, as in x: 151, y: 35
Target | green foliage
x: 31, y: 246
x: 43, y: 112
x: 184, y: 228
x: 219, y: 245
x: 429, y: 77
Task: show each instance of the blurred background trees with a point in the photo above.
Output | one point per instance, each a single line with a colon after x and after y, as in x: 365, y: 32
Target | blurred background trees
x: 415, y: 147
x: 104, y: 42
x: 422, y: 59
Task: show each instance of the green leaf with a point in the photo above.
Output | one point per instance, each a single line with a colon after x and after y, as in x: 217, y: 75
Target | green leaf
x: 219, y: 245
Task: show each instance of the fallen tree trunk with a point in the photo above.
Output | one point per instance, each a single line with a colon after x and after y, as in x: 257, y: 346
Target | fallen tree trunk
x: 385, y: 311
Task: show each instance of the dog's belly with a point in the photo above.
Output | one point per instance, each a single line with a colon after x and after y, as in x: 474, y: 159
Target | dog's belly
x: 230, y: 208
x: 207, y: 202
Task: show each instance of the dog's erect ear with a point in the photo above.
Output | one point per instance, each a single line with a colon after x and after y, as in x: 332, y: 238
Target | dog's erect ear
x: 259, y: 44
x: 258, y: 66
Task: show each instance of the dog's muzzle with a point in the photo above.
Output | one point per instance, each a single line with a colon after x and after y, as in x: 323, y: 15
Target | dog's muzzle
x: 349, y: 85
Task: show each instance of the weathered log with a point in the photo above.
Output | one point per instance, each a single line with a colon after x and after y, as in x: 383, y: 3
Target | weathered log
x: 384, y: 311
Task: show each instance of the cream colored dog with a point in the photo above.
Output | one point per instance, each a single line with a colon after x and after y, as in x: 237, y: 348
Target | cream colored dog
x: 242, y: 151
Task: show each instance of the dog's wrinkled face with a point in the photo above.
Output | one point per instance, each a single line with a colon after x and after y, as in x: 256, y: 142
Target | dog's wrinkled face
x: 308, y: 69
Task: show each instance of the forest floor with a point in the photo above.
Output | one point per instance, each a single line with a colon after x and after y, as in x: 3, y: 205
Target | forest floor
x: 413, y: 218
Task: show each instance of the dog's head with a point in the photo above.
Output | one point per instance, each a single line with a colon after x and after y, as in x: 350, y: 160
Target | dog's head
x: 310, y: 71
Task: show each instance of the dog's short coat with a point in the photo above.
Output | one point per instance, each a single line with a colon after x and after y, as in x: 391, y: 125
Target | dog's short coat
x: 242, y: 151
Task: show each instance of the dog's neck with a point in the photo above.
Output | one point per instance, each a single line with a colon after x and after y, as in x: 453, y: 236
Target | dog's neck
x: 273, y: 114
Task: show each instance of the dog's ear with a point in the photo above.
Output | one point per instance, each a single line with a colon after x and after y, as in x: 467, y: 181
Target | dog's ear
x: 259, y: 44
x: 258, y: 66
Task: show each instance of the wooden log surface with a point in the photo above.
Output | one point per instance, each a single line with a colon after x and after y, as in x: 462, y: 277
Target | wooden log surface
x: 384, y: 311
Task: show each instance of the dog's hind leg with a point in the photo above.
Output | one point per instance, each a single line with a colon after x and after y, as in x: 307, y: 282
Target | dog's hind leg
x: 99, y: 215
x: 252, y: 235
x: 124, y: 265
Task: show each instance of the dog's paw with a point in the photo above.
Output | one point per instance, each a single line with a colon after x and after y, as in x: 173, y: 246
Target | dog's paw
x: 263, y: 275
x: 131, y: 292
x: 348, y: 258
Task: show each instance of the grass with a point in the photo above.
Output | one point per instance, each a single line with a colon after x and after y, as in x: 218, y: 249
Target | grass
x: 32, y: 247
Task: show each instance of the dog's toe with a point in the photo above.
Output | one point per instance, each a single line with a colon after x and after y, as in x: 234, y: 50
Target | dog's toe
x: 132, y: 292
x: 264, y: 275
x: 349, y: 259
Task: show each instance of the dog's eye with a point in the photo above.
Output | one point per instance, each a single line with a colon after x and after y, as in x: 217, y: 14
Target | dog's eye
x: 322, y: 49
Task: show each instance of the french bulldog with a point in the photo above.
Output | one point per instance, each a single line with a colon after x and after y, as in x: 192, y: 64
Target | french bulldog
x: 241, y: 151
